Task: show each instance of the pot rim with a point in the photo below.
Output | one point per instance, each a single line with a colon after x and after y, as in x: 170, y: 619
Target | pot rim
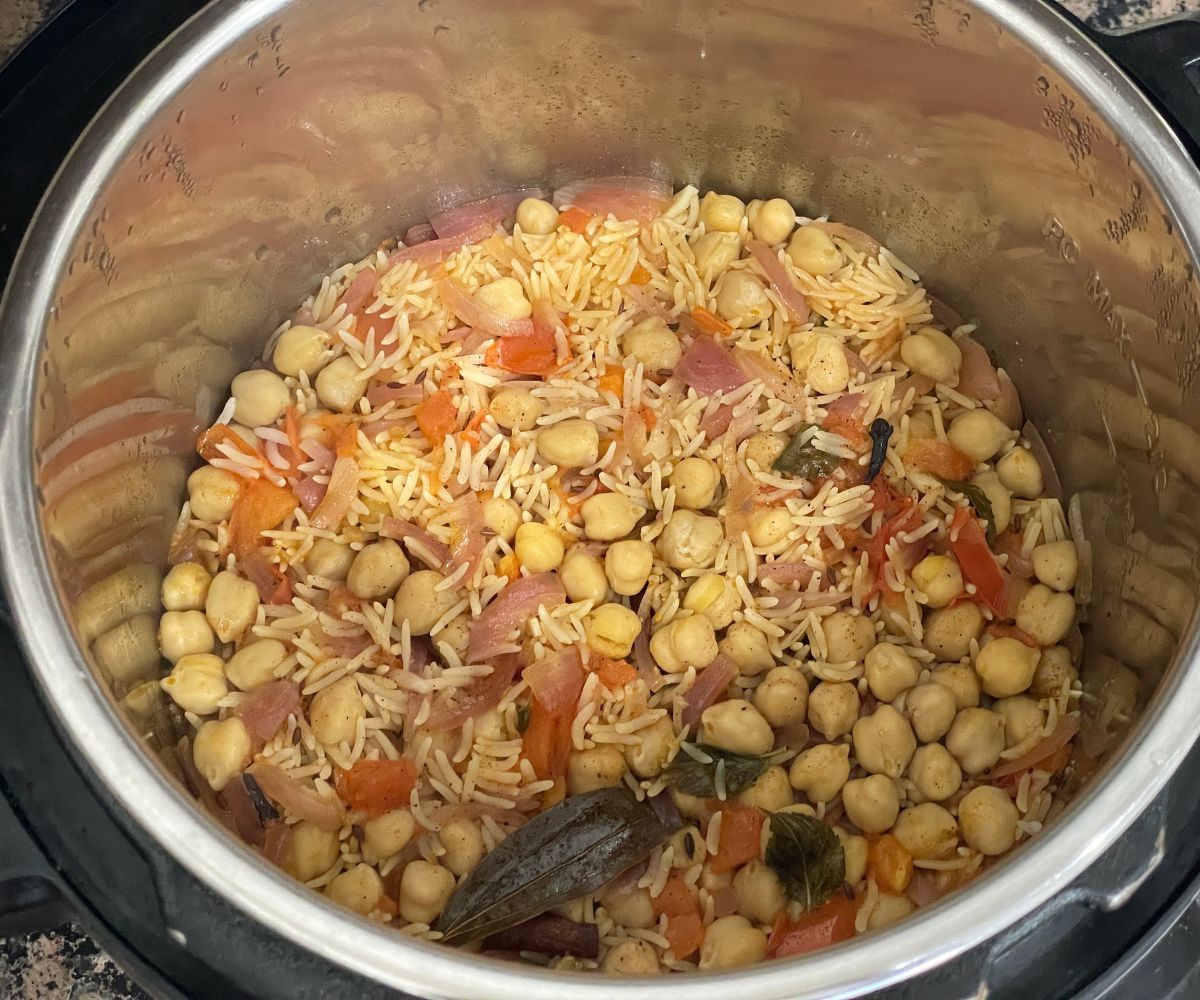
x: 97, y: 736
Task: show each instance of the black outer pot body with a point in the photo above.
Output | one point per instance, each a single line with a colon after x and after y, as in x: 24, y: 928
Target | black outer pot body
x: 1126, y: 929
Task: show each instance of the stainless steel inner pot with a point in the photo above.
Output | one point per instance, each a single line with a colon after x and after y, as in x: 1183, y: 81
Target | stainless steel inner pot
x: 988, y: 142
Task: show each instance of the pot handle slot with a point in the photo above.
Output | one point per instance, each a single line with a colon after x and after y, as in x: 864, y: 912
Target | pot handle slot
x: 31, y: 894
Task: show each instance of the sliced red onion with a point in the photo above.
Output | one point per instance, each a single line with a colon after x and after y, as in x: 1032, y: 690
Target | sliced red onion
x: 787, y: 572
x: 923, y: 888
x: 859, y: 240
x: 781, y: 283
x: 236, y: 799
x: 460, y: 302
x: 556, y: 680
x: 640, y: 198
x: 774, y: 378
x: 708, y: 368
x: 277, y: 843
x: 463, y: 219
x: 517, y: 602
x: 385, y: 392
x: 394, y: 527
x: 296, y: 798
x: 711, y: 683
x: 309, y: 492
x: 484, y: 693
x: 1064, y: 732
x: 422, y: 232
x: 725, y: 901
x: 342, y: 491
x: 435, y: 251
x: 268, y: 708
x: 359, y: 290
x: 717, y: 422
x: 466, y: 515
x: 419, y: 655
x: 977, y: 378
x: 257, y: 569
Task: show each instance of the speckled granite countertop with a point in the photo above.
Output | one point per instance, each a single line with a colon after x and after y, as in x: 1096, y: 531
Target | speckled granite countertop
x: 64, y: 963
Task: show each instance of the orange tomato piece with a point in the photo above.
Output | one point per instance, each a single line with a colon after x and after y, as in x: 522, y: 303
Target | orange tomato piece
x: 741, y: 835
x: 639, y: 276
x: 471, y: 431
x: 207, y: 441
x: 891, y: 864
x: 615, y: 673
x: 710, y: 322
x: 848, y: 426
x: 938, y: 458
x: 509, y: 566
x: 978, y: 564
x: 260, y: 506
x: 547, y: 741
x: 575, y: 219
x: 534, y: 354
x: 829, y: 923
x: 613, y: 380
x: 376, y: 786
x: 437, y: 415
x: 676, y: 898
x: 685, y: 934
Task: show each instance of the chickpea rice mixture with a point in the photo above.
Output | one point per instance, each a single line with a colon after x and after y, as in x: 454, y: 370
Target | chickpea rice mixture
x: 637, y: 490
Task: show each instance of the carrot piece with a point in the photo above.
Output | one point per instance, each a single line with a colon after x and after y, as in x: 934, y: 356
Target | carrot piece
x: 260, y: 506
x: 547, y: 741
x: 437, y: 415
x: 685, y: 934
x: 534, y: 354
x: 938, y: 458
x: 848, y: 426
x: 575, y: 219
x: 207, y: 441
x: 676, y: 898
x: 639, y: 276
x: 890, y: 863
x: 741, y: 833
x: 615, y: 673
x: 376, y: 786
x: 613, y: 380
x: 829, y: 923
x: 710, y: 322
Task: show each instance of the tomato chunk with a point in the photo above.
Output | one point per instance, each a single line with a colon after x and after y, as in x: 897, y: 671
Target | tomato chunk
x: 685, y: 933
x: 741, y: 834
x: 970, y: 548
x: 710, y: 322
x: 575, y: 219
x: 207, y: 441
x: 437, y: 415
x: 938, y: 458
x: 829, y: 923
x: 534, y: 354
x: 260, y: 506
x: 615, y: 673
x: 377, y: 786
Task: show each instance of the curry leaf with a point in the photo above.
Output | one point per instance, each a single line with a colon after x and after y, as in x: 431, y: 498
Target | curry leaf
x: 881, y: 432
x: 804, y: 459
x: 573, y: 848
x: 704, y: 771
x: 807, y: 856
x: 979, y: 500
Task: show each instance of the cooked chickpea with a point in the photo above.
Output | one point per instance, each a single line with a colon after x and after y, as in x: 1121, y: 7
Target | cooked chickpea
x: 931, y: 707
x: 949, y: 631
x: 854, y: 850
x: 1021, y: 474
x: 978, y: 434
x: 712, y: 596
x: 771, y: 221
x: 184, y: 632
x: 821, y: 771
x: 722, y: 213
x: 516, y: 409
x: 812, y: 250
x: 600, y: 767
x: 338, y: 386
x: 939, y: 578
x: 387, y: 835
x: 377, y: 571
x: 691, y: 540
x: 764, y: 448
x: 826, y: 368
x: 425, y: 889
x: 360, y: 888
x: 782, y: 697
x: 632, y: 957
x: 632, y: 908
x: 884, y: 742
x: 934, y: 772
x: 506, y: 298
x: 254, y: 665
x: 736, y: 725
x: 770, y: 791
x: 231, y: 605
x: 1045, y: 614
x: 609, y: 516
x: 627, y: 565
x: 539, y: 547
x: 197, y: 683
x: 654, y: 344
x: 211, y: 493
x: 312, y: 852
x: 1005, y: 667
x: 502, y: 517
x: 747, y: 646
x: 1054, y: 669
x: 611, y: 630
x: 931, y: 353
x: 888, y: 910
x: 330, y: 559
x: 221, y: 751
x: 976, y: 739
x: 961, y: 681
x: 419, y: 600
x: 583, y: 576
x: 300, y: 349
x: 185, y: 587
x: 890, y: 671
x: 335, y: 712
x: 998, y: 498
x: 695, y: 481
x: 848, y: 637
x: 647, y: 758
x: 742, y: 300
x: 1056, y: 564
x: 769, y: 526
x: 833, y: 708
x: 537, y: 217
x: 989, y: 820
x: 872, y: 804
x: 1022, y: 716
x: 463, y: 844
x: 684, y: 642
x: 759, y: 892
x: 570, y: 444
x: 927, y: 831
x: 715, y: 251
x: 731, y: 942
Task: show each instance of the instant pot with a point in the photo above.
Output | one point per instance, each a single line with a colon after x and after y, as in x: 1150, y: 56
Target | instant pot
x: 1039, y: 176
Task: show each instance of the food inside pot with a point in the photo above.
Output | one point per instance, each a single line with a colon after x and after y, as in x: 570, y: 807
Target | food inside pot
x: 634, y: 581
